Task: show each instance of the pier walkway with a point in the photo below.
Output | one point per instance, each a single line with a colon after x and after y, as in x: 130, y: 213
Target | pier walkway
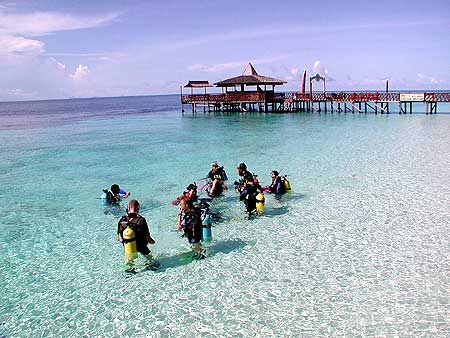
x: 361, y: 102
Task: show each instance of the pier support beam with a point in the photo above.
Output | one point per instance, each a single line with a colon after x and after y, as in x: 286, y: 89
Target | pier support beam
x: 430, y: 107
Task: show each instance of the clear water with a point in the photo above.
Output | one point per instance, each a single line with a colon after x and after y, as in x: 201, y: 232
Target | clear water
x: 360, y: 248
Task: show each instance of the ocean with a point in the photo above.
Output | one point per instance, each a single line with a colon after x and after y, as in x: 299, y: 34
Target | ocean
x: 359, y: 248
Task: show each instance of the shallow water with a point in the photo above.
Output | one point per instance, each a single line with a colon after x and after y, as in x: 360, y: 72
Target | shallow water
x: 360, y: 247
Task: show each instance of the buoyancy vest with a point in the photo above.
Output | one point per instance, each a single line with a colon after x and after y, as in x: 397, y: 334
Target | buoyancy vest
x: 219, y: 174
x: 110, y: 197
x: 190, y: 218
x: 135, y: 223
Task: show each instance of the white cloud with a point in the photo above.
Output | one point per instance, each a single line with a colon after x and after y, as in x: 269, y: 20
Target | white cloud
x: 42, y: 23
x: 16, y: 94
x: 263, y: 32
x: 217, y: 67
x: 318, y: 68
x: 294, y: 71
x: 234, y: 64
x: 80, y: 73
x: 58, y: 64
x: 104, y: 57
x: 16, y: 28
x: 17, y: 46
x: 428, y: 80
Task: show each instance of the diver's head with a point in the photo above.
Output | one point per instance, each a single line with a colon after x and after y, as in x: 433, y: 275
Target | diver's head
x: 214, y: 165
x: 274, y: 173
x: 115, y: 189
x: 133, y: 206
x: 192, y: 186
x: 241, y: 168
x: 248, y: 177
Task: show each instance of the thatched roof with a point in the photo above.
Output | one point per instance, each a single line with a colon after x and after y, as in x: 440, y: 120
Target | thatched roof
x: 250, y: 78
x: 197, y: 84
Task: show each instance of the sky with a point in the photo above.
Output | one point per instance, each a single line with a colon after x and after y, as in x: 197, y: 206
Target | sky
x: 53, y: 49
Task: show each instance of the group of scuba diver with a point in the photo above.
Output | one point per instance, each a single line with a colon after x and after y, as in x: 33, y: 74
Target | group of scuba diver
x: 195, y: 218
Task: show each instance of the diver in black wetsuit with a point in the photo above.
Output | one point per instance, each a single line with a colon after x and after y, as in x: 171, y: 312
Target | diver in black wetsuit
x: 248, y: 194
x: 277, y: 186
x: 190, y: 222
x: 217, y: 177
x: 142, y: 234
x: 244, y: 175
x: 115, y: 194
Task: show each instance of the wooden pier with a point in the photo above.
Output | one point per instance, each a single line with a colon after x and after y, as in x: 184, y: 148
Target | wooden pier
x: 342, y: 102
x: 234, y: 98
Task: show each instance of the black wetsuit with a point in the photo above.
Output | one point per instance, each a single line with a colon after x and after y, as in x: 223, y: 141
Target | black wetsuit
x: 191, y: 223
x: 139, y: 225
x: 248, y: 195
x: 277, y: 186
x: 218, y: 175
x: 244, y: 175
x: 111, y: 198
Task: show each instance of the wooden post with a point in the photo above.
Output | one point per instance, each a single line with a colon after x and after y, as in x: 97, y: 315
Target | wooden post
x: 181, y: 98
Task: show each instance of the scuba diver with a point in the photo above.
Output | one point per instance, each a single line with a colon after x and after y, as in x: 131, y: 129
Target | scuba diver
x: 249, y: 194
x: 217, y: 177
x: 114, y: 194
x: 190, y: 222
x: 244, y: 175
x: 277, y: 186
x: 111, y: 199
x: 189, y: 194
x: 133, y: 233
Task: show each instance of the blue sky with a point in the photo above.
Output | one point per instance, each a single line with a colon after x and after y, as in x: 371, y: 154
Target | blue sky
x: 62, y: 49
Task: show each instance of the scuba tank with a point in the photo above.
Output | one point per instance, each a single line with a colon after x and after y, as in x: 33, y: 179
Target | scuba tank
x: 223, y: 174
x: 287, y: 185
x: 260, y: 200
x: 103, y: 198
x: 129, y: 244
x: 206, y: 228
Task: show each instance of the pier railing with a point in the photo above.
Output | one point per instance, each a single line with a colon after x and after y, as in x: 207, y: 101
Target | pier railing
x: 317, y: 97
x: 226, y: 97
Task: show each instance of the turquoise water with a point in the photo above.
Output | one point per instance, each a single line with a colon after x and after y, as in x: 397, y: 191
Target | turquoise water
x: 360, y: 248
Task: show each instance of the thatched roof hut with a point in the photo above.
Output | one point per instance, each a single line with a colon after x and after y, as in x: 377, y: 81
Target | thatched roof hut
x: 249, y: 78
x: 197, y: 84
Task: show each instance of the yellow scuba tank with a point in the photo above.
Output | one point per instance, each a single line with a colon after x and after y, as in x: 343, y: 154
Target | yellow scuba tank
x: 287, y: 185
x: 260, y: 200
x: 129, y: 244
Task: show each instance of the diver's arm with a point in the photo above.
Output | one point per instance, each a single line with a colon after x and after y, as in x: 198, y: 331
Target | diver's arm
x: 146, y: 231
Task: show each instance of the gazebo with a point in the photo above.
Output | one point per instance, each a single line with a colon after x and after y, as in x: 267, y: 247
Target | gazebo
x: 250, y: 78
x: 197, y: 84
